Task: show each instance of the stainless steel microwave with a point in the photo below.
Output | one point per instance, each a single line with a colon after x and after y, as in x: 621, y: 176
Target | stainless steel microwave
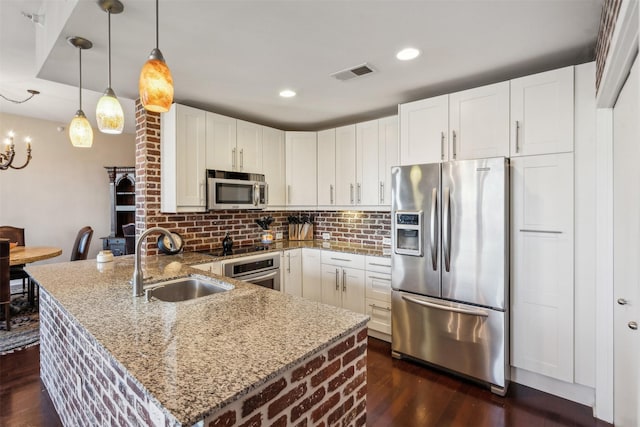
x: 236, y: 190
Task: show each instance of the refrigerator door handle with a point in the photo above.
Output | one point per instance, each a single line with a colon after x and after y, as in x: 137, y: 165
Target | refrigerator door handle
x: 480, y: 313
x: 434, y: 229
x: 446, y: 229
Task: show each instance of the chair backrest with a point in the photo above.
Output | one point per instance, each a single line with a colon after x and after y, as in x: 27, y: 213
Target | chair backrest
x: 81, y: 245
x: 129, y: 232
x: 14, y: 234
x: 5, y: 282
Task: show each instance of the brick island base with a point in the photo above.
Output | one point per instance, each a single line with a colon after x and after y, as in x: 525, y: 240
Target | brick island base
x: 88, y: 387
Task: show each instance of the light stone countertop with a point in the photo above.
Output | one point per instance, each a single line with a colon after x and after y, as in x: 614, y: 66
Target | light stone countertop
x: 196, y: 356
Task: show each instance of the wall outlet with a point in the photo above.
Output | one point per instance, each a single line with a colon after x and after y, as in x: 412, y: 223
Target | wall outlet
x: 386, y: 241
x: 278, y: 235
x: 326, y: 236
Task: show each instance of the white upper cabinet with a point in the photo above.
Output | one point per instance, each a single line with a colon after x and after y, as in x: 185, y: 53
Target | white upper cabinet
x: 327, y: 167
x: 182, y: 147
x: 424, y: 129
x: 249, y: 147
x: 367, y: 155
x: 221, y: 142
x: 273, y: 166
x: 542, y: 113
x: 388, y: 155
x: 301, y: 172
x: 346, y: 165
x: 479, y: 122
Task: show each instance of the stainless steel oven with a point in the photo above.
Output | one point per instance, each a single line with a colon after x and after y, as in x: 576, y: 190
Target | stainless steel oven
x: 262, y: 270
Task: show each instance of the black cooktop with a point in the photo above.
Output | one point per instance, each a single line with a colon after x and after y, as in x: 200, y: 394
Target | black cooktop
x: 240, y: 250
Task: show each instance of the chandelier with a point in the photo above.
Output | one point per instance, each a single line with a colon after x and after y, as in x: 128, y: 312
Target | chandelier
x: 6, y: 157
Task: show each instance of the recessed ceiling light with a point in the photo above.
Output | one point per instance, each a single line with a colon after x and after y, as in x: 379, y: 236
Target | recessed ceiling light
x: 407, y: 54
x: 287, y: 93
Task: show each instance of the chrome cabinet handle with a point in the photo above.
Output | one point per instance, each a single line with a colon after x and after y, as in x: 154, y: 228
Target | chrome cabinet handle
x: 633, y: 325
x: 455, y: 154
x: 351, y: 190
x: 517, y: 136
x: 622, y: 301
x: 331, y: 193
x: 341, y: 259
x: 289, y: 260
x: 241, y: 158
x: 441, y: 145
x: 359, y: 193
x: 446, y: 229
x: 386, y: 279
x: 373, y: 306
x: 379, y: 265
x: 201, y: 191
x: 337, y: 279
x: 434, y: 230
x: 233, y: 158
x: 289, y: 193
x: 540, y: 231
x: 344, y: 281
x: 381, y: 192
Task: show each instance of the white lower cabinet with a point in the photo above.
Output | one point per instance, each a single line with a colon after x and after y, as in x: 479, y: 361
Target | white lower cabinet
x: 291, y: 266
x: 542, y: 276
x: 378, y: 295
x: 311, y: 274
x: 343, y: 280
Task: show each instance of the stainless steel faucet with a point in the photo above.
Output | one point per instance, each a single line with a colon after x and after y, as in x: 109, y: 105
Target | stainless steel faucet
x: 137, y: 272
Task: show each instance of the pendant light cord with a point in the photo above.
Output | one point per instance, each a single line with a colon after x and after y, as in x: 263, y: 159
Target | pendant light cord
x: 80, y: 87
x: 109, y: 36
x: 157, y: 26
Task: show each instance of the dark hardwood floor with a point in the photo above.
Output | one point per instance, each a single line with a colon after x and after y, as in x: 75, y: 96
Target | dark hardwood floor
x: 400, y: 393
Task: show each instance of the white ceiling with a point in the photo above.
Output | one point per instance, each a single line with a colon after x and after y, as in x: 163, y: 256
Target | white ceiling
x: 233, y: 57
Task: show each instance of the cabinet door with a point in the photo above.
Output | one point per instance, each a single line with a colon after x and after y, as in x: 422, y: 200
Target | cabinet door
x: 388, y: 156
x: 542, y: 113
x: 249, y: 147
x: 367, y: 156
x: 311, y: 275
x: 273, y: 165
x: 190, y: 158
x: 542, y: 264
x: 327, y: 167
x: 301, y: 168
x: 346, y: 165
x: 424, y: 127
x: 221, y: 142
x: 292, y: 266
x: 380, y: 313
x: 479, y: 122
x: 353, y: 290
x: 331, y: 285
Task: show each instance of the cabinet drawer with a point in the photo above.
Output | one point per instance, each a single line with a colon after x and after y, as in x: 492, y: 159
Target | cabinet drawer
x: 343, y: 259
x: 378, y: 285
x: 380, y: 313
x: 376, y: 263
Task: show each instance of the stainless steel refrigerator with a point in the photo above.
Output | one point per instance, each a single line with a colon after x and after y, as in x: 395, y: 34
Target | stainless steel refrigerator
x: 450, y: 267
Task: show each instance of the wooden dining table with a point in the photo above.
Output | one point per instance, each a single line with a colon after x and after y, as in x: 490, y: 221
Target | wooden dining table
x: 21, y: 255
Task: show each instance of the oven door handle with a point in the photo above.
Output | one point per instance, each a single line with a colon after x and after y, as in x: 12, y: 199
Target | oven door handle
x: 266, y: 276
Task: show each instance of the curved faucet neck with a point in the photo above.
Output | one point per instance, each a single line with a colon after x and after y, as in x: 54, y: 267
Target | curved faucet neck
x: 138, y: 278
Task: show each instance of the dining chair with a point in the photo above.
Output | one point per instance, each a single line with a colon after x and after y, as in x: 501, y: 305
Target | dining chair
x: 5, y: 282
x: 16, y: 272
x: 82, y: 243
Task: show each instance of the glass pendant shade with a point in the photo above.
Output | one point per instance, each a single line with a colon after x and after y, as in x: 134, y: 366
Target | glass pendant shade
x: 156, y: 84
x: 109, y: 114
x: 80, y: 131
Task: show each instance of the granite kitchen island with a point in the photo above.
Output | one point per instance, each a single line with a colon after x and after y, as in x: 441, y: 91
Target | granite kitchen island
x: 248, y: 356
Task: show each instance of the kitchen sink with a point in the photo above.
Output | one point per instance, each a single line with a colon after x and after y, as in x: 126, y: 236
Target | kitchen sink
x: 185, y: 288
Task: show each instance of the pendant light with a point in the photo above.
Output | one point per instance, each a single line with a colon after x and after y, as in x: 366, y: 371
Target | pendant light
x: 80, y: 131
x: 156, y: 83
x: 109, y: 114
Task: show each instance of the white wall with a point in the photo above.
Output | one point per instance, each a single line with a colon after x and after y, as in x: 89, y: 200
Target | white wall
x: 63, y: 188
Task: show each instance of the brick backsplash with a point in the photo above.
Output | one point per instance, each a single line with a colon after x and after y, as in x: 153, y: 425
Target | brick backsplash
x: 202, y: 231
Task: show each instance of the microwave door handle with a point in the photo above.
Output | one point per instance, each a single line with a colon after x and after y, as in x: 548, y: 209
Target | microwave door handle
x: 446, y: 229
x: 256, y: 194
x: 434, y: 229
x: 266, y: 189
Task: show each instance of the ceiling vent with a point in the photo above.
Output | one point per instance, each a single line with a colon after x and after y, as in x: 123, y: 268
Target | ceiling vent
x: 352, y: 73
